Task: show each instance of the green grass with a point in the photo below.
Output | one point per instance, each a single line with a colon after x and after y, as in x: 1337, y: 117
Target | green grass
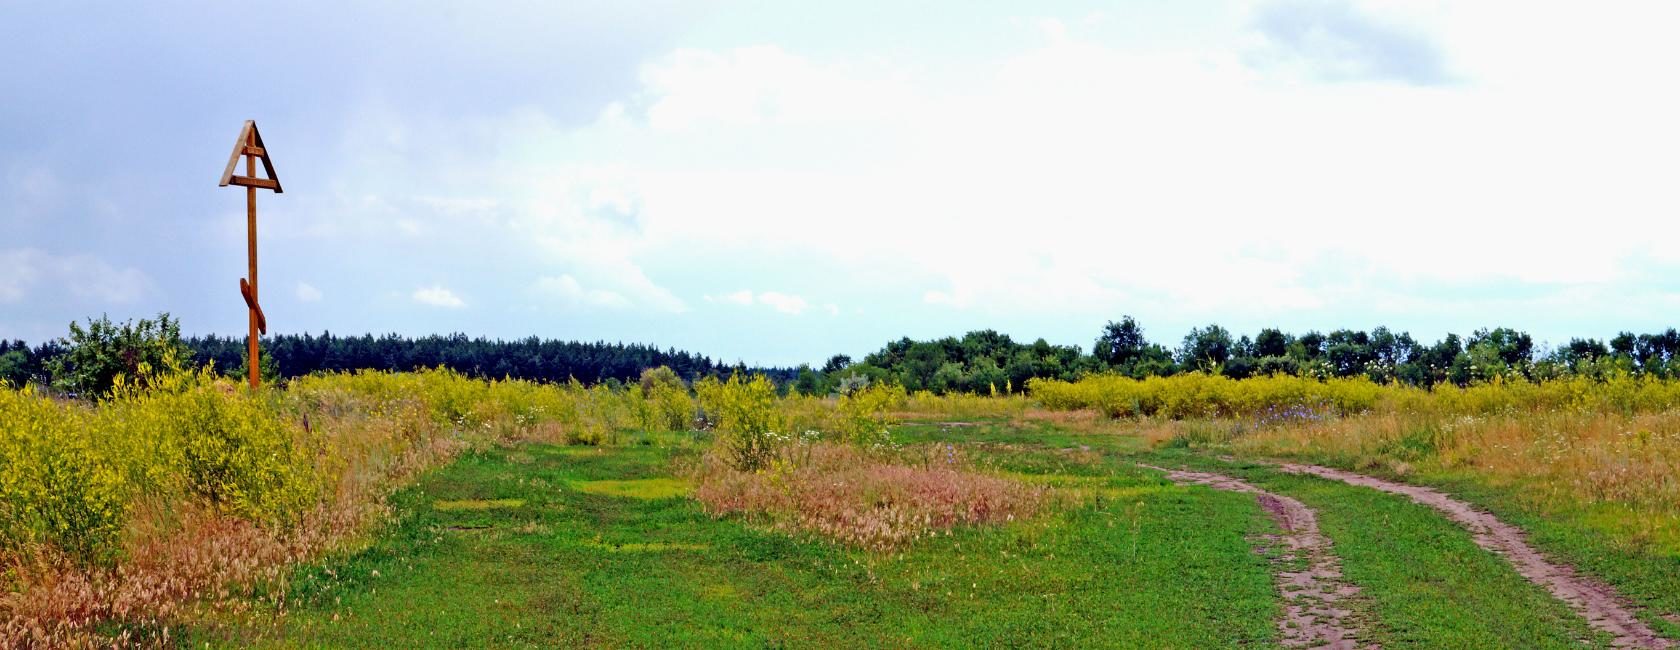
x: 551, y: 546
x: 1425, y: 582
x: 1648, y: 574
x: 640, y: 565
x: 1594, y: 538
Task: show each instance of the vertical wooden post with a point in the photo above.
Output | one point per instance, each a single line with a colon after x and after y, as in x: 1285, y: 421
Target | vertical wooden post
x: 252, y: 353
x: 250, y: 147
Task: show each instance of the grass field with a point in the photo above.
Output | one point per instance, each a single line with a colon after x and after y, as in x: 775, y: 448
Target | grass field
x: 461, y: 513
x: 552, y: 560
x: 524, y: 546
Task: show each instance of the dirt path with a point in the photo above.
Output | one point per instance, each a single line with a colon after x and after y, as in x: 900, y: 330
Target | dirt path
x: 1311, y: 618
x: 1597, y: 602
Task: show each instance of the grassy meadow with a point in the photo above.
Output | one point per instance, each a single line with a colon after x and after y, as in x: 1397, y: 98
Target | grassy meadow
x: 432, y: 509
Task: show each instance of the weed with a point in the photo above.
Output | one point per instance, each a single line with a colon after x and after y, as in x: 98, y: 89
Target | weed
x: 864, y: 499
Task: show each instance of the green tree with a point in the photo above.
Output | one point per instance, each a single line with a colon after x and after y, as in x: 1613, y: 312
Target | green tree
x: 267, y: 368
x: 1121, y: 345
x: 14, y: 368
x: 986, y: 344
x: 984, y: 376
x: 1499, y: 352
x: 809, y: 382
x: 948, y: 378
x: 921, y: 361
x: 1271, y: 342
x: 94, y: 356
x: 1349, y: 352
x: 1205, y: 349
x: 1307, y: 347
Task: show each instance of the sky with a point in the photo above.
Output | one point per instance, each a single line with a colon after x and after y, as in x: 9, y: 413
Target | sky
x: 776, y: 182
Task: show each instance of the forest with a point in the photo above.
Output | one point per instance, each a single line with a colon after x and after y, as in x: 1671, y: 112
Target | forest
x: 979, y: 362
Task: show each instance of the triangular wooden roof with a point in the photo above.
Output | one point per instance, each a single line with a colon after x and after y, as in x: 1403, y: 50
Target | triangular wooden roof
x: 250, y: 143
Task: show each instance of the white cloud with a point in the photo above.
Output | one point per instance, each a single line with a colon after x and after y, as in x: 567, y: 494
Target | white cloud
x: 782, y: 302
x: 20, y: 276
x: 742, y: 297
x: 308, y: 293
x: 438, y: 296
x: 1079, y: 175
x: 756, y: 85
x: 568, y: 289
x: 80, y: 276
x: 1066, y: 175
x: 785, y: 303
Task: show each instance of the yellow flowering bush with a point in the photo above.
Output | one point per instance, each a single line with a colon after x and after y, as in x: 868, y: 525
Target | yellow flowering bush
x: 745, y: 414
x: 58, y: 486
x: 70, y: 471
x: 863, y: 414
x: 226, y: 444
x: 662, y: 401
x: 1197, y: 395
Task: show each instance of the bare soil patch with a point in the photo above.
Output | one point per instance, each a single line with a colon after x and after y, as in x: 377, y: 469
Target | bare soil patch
x: 1311, y: 616
x: 1603, y: 608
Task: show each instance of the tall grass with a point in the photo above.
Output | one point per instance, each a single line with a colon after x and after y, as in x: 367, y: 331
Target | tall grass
x: 190, y: 498
x: 1628, y: 465
x: 1197, y: 395
x: 70, y: 474
x: 1604, y: 451
x: 154, y: 506
x: 962, y: 406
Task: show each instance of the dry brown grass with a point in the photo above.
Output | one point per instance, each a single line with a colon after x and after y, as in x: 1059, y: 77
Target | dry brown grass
x: 865, y: 499
x: 1590, y: 458
x: 923, y: 406
x: 1619, y: 471
x: 1087, y: 422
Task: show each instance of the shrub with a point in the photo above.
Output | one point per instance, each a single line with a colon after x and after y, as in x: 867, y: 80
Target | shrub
x: 1198, y: 395
x: 863, y: 414
x: 744, y: 412
x: 231, y: 446
x: 70, y: 472
x: 14, y: 367
x: 95, y: 356
x: 57, y: 488
x: 665, y: 404
x: 961, y: 406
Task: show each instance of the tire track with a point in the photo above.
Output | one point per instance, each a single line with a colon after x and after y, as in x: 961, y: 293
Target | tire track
x: 1311, y: 618
x: 1603, y: 608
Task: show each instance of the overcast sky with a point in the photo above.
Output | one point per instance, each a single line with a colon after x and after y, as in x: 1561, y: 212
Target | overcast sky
x: 775, y: 182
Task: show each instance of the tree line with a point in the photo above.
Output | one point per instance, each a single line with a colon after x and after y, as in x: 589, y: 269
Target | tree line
x: 982, y: 361
x: 529, y: 358
x: 88, y: 359
x: 986, y: 360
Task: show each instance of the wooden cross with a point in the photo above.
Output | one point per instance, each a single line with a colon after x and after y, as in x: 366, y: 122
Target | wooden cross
x: 250, y: 146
